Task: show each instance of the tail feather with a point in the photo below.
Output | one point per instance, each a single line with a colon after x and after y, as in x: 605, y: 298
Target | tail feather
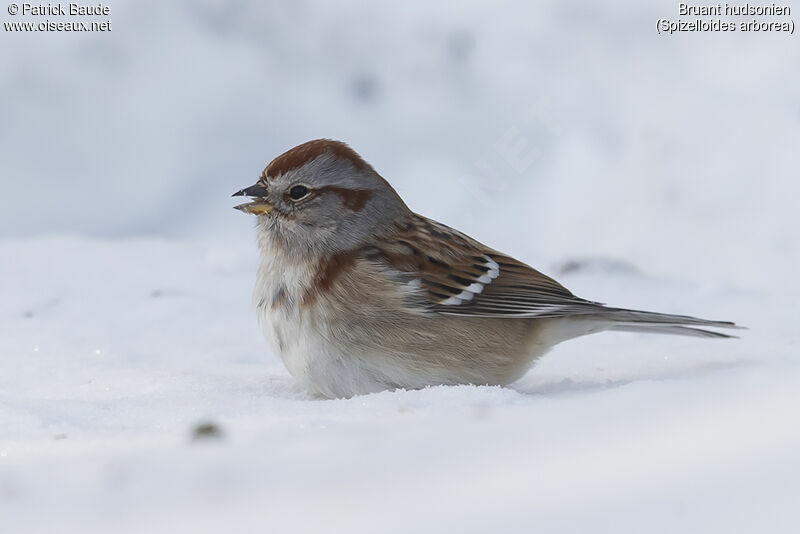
x: 669, y: 329
x: 662, y: 323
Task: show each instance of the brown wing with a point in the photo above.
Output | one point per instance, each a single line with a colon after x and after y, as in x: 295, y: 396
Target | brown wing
x: 459, y: 276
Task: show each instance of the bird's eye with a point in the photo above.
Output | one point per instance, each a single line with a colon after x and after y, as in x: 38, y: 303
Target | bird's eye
x: 297, y: 192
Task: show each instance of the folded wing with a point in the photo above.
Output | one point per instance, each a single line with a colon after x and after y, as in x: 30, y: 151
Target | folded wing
x: 457, y: 275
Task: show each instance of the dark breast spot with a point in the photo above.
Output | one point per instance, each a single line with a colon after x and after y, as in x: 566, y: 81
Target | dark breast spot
x: 281, y: 299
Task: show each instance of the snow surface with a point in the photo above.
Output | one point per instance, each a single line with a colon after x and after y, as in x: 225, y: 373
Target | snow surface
x: 643, y: 171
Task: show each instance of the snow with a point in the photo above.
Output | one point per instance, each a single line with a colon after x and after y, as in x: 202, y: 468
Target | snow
x: 640, y: 170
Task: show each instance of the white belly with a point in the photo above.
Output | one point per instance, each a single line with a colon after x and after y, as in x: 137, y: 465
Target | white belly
x: 317, y: 363
x: 303, y: 340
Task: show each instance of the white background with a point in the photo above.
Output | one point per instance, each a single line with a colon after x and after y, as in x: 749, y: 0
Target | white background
x: 564, y: 133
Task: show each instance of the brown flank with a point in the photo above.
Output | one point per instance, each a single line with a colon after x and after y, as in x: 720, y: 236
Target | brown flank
x: 327, y: 273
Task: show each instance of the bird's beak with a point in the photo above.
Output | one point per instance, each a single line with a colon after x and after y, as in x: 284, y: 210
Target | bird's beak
x: 259, y: 205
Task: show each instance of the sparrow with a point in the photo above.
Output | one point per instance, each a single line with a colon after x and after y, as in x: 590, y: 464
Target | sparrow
x: 359, y: 294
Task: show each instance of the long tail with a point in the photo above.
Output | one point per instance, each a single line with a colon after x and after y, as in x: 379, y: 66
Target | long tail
x: 661, y: 323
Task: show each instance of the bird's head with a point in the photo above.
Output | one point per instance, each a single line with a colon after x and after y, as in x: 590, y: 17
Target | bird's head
x: 321, y: 197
